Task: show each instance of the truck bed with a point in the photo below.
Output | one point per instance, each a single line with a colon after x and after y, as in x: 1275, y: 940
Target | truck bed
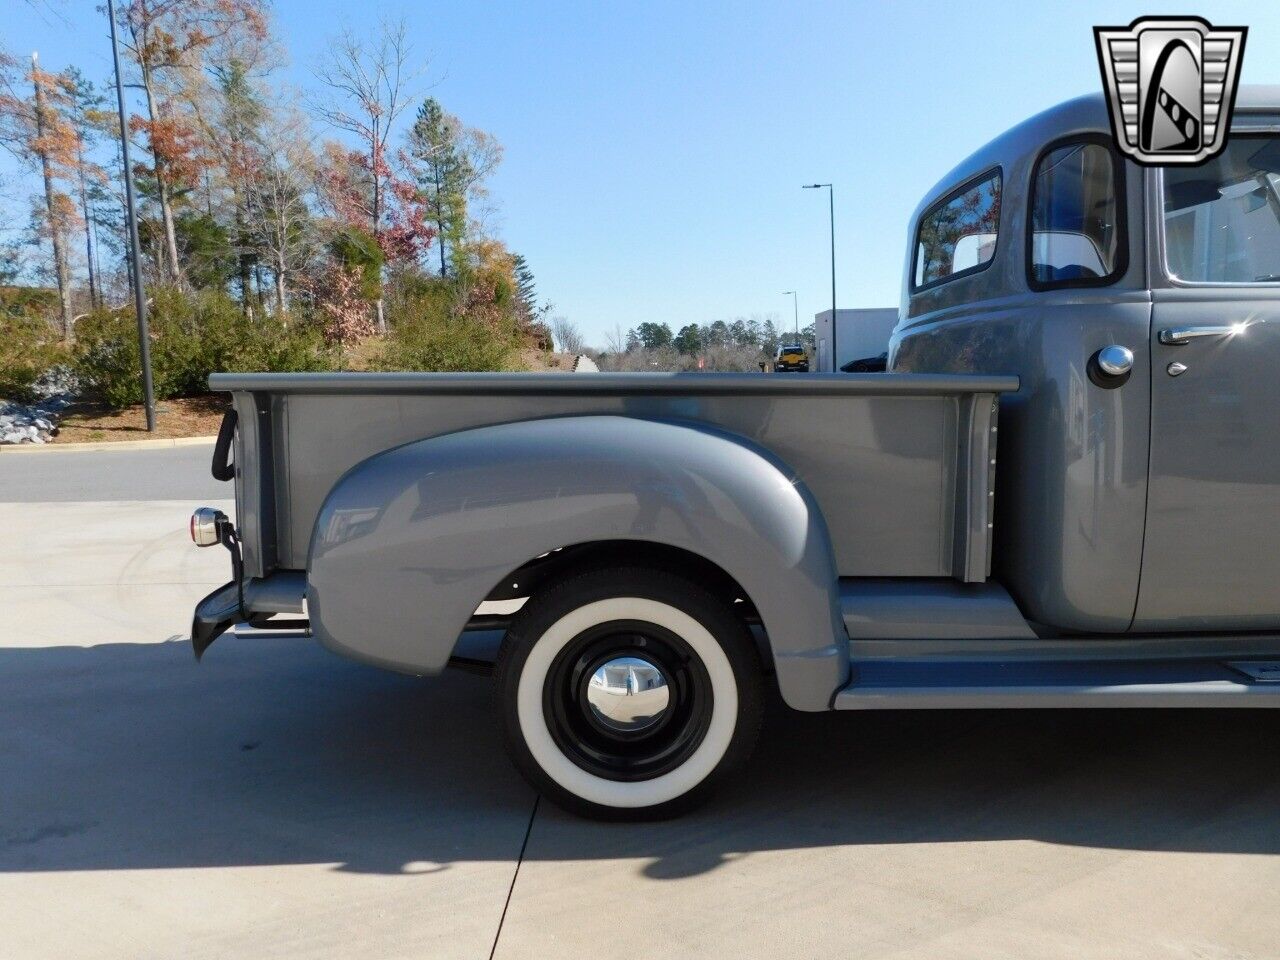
x: 901, y: 464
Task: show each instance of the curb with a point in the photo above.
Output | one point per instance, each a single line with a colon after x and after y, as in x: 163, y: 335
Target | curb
x: 56, y: 447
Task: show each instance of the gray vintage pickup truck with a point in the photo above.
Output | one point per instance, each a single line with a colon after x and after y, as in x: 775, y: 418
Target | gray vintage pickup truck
x: 654, y: 549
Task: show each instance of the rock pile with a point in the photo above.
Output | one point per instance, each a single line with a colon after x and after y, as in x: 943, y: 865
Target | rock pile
x: 37, y: 422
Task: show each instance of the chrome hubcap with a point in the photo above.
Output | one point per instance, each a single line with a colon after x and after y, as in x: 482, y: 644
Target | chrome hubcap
x: 627, y: 694
x: 627, y: 700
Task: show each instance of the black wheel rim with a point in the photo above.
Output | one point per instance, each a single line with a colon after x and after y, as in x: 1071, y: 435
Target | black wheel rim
x: 627, y: 755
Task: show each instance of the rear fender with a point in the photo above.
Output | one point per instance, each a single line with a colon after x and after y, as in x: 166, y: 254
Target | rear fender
x: 409, y: 542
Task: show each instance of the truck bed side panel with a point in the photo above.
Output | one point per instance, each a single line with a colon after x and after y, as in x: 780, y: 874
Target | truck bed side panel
x: 899, y: 465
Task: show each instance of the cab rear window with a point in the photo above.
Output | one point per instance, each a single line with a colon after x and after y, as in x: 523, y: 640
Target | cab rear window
x: 958, y: 235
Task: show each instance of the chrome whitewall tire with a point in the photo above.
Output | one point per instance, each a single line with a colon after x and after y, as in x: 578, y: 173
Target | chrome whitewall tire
x: 676, y: 635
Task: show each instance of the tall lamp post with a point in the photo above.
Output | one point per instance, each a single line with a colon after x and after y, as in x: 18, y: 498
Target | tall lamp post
x: 831, y: 205
x: 795, y: 308
x: 139, y: 298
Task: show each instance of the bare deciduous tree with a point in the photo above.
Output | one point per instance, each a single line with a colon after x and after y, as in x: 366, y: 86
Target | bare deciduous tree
x: 14, y: 107
x: 277, y: 198
x: 615, y: 341
x: 369, y: 85
x: 54, y: 145
x: 568, y: 337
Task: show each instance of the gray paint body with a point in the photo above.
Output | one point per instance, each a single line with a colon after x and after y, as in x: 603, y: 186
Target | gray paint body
x: 1151, y: 507
x: 953, y: 685
x: 848, y: 436
x: 880, y: 610
x: 410, y: 542
x: 409, y: 498
x: 1213, y: 513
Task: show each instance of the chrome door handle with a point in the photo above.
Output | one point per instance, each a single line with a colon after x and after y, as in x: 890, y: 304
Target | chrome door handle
x: 1176, y: 336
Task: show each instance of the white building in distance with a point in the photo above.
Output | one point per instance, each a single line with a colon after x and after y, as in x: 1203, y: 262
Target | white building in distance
x: 859, y: 333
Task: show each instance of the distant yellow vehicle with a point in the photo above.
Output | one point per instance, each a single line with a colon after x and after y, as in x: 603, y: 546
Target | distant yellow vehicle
x: 791, y: 357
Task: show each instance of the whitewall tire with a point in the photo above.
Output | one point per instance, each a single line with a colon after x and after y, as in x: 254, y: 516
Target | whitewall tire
x: 628, y: 693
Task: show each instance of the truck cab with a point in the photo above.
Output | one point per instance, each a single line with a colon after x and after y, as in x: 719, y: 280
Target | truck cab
x: 1140, y: 496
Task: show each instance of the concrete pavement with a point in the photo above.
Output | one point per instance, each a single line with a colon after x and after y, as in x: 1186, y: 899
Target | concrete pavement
x: 934, y: 836
x: 273, y: 800
x: 276, y: 800
x: 109, y: 571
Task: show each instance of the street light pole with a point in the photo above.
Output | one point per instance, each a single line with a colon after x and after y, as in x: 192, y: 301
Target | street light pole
x: 795, y: 308
x: 831, y: 207
x: 139, y: 297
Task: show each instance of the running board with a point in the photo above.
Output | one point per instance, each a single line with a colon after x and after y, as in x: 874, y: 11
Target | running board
x: 967, y: 685
x: 273, y: 630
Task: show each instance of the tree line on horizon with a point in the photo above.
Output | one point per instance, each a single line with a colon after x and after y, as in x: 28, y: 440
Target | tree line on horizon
x: 739, y: 344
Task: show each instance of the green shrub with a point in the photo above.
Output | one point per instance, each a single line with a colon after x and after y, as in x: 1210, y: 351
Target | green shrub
x: 192, y: 335
x: 461, y: 344
x: 29, y: 345
x: 270, y: 346
x: 37, y: 301
x: 440, y: 326
x: 106, y: 358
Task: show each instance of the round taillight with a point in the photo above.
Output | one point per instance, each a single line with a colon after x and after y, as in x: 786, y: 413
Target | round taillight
x: 206, y: 525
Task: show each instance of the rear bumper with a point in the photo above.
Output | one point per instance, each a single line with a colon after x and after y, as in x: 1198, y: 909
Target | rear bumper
x: 282, y: 592
x: 213, y: 615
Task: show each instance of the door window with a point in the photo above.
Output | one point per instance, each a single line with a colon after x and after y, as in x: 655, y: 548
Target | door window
x: 1222, y: 218
x: 1075, y: 218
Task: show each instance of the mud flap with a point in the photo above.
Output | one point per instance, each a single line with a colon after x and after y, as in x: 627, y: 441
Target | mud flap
x: 214, y: 614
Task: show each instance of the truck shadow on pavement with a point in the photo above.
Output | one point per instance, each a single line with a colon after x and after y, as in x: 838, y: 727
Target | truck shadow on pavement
x: 276, y: 752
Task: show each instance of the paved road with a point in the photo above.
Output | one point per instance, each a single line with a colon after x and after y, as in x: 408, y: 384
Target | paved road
x: 172, y: 473
x: 279, y: 801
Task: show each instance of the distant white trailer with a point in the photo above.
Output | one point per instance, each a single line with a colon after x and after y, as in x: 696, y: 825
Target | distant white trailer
x: 859, y: 333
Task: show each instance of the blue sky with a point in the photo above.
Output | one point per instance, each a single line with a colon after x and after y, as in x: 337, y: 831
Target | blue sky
x: 655, y: 151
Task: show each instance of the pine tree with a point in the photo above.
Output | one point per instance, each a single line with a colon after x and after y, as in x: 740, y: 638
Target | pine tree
x: 689, y: 340
x: 450, y: 163
x: 527, y: 291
